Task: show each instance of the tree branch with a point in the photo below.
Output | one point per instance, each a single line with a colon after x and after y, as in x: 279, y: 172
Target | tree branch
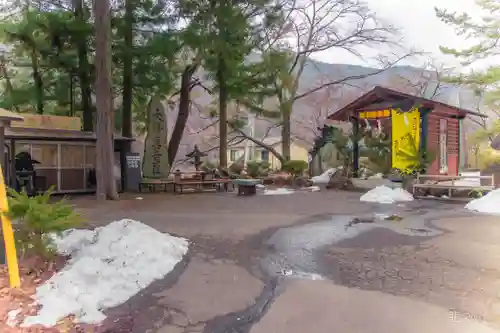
x: 349, y: 78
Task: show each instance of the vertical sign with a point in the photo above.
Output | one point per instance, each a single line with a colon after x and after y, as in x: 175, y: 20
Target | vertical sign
x: 155, y: 164
x: 8, y: 236
x: 132, y: 169
x: 443, y: 145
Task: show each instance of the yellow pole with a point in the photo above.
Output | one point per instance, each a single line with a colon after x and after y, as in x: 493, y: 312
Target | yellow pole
x: 8, y: 236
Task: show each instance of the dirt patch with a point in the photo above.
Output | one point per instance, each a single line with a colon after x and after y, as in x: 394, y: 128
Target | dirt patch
x: 428, y: 270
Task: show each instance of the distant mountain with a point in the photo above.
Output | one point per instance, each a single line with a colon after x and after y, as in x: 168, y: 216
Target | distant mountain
x: 308, y: 113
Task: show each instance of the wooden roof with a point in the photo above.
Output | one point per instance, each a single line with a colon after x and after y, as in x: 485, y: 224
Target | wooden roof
x: 10, y: 116
x: 37, y: 134
x: 384, y: 98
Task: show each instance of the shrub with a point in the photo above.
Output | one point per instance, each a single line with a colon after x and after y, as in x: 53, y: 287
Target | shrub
x: 209, y: 166
x: 476, y: 193
x: 237, y: 167
x: 295, y: 167
x: 257, y: 168
x: 36, y: 219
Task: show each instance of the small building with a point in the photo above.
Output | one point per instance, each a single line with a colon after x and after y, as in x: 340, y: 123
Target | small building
x: 64, y: 156
x: 298, y: 151
x: 439, y: 125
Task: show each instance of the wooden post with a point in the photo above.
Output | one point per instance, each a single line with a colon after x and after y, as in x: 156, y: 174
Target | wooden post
x: 12, y: 155
x: 2, y: 148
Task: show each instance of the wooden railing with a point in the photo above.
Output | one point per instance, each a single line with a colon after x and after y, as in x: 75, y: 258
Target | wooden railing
x: 453, y: 183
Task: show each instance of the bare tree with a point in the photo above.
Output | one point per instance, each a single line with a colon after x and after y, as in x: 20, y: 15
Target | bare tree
x: 319, y: 105
x: 312, y: 26
x: 106, y: 186
x: 429, y: 82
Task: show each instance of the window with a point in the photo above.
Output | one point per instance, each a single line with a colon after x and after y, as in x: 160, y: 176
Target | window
x: 233, y: 155
x: 264, y: 155
x: 90, y: 154
x: 46, y: 154
x: 72, y: 156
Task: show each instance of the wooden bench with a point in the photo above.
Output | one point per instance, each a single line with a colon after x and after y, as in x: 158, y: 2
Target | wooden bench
x: 200, y: 180
x: 154, y: 184
x: 452, y: 183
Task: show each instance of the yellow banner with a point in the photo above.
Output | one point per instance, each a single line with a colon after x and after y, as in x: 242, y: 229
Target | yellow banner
x: 405, y: 138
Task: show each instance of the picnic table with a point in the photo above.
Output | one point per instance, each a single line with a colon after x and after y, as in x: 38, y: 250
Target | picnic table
x: 199, y: 181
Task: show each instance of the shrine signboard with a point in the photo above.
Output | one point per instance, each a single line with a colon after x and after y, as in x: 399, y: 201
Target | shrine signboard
x: 155, y: 163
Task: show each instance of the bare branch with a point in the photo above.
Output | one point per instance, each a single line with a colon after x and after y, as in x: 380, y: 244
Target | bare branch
x: 351, y: 78
x: 261, y: 144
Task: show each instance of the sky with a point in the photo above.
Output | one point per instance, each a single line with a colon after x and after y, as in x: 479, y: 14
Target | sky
x: 419, y: 26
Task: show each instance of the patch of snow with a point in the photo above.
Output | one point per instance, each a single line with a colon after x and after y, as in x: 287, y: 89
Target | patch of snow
x: 12, y: 317
x: 376, y: 176
x: 311, y: 189
x: 260, y: 186
x: 381, y: 216
x: 139, y: 198
x: 279, y: 191
x: 107, y: 267
x: 386, y: 195
x: 324, y: 178
x: 488, y: 204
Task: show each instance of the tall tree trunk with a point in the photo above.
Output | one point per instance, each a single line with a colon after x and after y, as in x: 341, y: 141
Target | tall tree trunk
x: 37, y: 77
x: 71, y: 96
x: 223, y: 99
x: 84, y: 70
x: 286, y: 132
x: 183, y: 115
x: 106, y: 186
x: 127, y: 69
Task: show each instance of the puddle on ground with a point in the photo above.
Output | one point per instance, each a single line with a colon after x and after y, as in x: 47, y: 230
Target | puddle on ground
x: 294, y: 250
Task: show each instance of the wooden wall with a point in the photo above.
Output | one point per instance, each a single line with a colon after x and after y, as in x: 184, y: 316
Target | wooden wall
x: 64, y: 165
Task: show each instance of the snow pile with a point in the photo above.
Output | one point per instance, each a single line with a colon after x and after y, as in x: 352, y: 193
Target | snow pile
x: 490, y: 203
x: 386, y: 195
x: 324, y: 178
x: 279, y: 191
x: 107, y: 267
x: 311, y: 189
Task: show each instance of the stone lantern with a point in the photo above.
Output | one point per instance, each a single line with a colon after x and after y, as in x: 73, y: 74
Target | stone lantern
x: 196, y: 155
